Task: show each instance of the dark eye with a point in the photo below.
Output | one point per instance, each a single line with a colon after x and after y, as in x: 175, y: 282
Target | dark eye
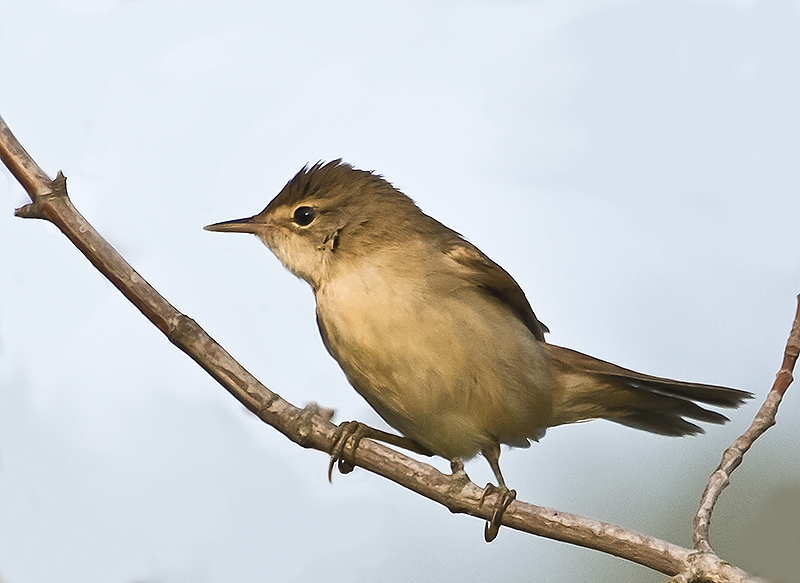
x: 304, y: 215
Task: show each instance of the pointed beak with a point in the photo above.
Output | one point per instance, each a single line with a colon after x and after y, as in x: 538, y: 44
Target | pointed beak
x: 248, y: 225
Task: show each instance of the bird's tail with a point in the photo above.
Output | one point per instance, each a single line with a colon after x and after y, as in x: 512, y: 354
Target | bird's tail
x: 595, y: 389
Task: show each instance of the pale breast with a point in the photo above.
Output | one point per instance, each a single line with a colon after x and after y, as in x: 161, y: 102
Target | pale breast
x: 446, y: 365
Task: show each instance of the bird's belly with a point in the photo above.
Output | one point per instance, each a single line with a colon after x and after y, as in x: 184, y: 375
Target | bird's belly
x: 454, y: 375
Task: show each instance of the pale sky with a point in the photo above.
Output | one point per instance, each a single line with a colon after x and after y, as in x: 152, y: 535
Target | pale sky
x: 634, y: 165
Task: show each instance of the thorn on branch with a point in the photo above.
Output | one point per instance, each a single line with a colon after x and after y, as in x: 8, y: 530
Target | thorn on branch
x: 29, y: 211
x: 34, y: 210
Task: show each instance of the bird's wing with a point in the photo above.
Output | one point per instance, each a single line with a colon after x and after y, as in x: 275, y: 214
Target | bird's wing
x: 485, y: 273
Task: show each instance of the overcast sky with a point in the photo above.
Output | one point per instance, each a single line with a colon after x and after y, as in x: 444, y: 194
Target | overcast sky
x: 633, y: 164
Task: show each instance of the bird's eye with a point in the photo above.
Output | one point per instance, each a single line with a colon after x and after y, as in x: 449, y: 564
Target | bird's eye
x: 304, y: 215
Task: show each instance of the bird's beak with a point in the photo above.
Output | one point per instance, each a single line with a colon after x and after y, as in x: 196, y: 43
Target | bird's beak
x: 248, y: 225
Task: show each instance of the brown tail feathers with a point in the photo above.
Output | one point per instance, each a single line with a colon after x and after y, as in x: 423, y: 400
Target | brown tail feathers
x: 595, y: 389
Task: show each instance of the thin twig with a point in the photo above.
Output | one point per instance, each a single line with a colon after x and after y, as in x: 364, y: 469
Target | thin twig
x: 732, y: 457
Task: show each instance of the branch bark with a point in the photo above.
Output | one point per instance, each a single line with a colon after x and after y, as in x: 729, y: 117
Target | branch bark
x: 733, y: 456
x: 311, y: 427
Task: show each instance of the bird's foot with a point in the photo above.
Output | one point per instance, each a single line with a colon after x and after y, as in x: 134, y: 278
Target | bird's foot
x: 504, y: 499
x: 343, y: 433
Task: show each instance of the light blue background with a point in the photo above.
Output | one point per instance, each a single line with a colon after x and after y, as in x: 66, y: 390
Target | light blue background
x: 634, y: 165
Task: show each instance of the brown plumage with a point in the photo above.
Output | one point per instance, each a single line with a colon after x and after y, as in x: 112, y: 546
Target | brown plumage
x: 438, y: 338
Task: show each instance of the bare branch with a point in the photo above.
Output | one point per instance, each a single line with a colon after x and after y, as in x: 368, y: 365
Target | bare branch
x: 732, y: 457
x: 311, y: 427
x: 27, y: 172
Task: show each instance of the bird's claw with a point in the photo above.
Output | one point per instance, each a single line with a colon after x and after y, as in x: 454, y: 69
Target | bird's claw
x: 504, y: 500
x: 344, y: 432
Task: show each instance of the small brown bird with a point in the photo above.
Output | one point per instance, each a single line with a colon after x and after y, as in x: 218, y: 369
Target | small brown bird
x: 439, y: 339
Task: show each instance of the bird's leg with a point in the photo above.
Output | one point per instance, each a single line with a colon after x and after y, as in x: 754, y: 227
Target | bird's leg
x: 358, y: 431
x: 505, y: 496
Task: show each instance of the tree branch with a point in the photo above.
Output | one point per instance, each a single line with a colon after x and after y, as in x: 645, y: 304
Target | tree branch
x: 311, y: 427
x: 733, y: 456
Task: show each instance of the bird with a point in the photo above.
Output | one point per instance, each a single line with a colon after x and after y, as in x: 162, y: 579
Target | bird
x: 439, y: 339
